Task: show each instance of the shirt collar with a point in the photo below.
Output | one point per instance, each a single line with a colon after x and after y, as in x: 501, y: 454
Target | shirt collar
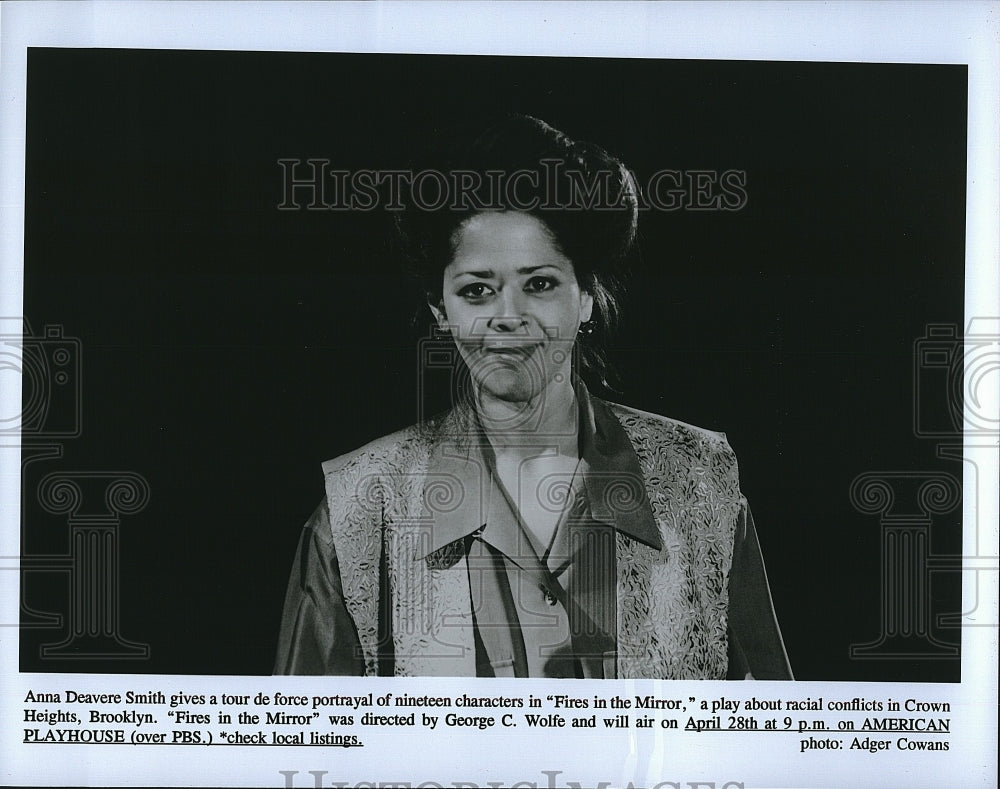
x: 616, y: 488
x: 457, y: 488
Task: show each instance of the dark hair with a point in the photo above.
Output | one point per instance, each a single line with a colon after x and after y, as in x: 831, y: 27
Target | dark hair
x: 584, y: 196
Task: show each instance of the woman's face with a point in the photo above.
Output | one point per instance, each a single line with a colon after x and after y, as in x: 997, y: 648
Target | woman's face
x: 513, y: 305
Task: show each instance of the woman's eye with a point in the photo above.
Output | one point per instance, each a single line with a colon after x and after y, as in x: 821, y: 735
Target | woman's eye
x: 539, y: 284
x: 475, y: 290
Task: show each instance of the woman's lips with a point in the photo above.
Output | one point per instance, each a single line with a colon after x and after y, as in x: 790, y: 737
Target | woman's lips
x: 517, y: 350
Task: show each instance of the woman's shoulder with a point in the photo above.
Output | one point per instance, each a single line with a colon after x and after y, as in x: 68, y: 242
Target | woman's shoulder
x: 397, y: 449
x: 670, y: 449
x: 672, y: 436
x: 663, y: 424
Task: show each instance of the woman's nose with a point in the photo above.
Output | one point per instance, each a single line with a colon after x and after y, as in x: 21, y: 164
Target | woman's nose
x: 510, y: 315
x: 508, y: 323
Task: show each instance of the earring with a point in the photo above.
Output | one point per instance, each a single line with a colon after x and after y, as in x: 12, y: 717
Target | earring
x: 587, y: 327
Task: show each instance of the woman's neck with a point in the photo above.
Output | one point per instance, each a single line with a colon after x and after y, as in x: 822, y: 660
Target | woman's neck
x: 548, y: 421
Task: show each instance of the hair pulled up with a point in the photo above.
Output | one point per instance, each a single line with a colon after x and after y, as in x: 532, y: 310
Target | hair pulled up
x: 586, y: 198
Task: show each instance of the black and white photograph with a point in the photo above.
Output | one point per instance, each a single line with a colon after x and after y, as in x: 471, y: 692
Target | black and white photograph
x: 258, y: 327
x: 415, y: 374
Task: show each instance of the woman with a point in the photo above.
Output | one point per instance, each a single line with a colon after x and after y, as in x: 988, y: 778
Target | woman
x: 534, y: 529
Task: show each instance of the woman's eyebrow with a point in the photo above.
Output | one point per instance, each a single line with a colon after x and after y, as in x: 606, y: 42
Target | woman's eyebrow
x: 530, y: 269
x: 484, y: 274
x: 489, y: 273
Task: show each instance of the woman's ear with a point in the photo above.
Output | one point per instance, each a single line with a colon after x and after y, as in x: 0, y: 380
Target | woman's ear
x: 586, y: 306
x: 439, y: 314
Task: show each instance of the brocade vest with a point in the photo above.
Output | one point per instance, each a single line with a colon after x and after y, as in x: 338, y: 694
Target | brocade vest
x: 408, y: 595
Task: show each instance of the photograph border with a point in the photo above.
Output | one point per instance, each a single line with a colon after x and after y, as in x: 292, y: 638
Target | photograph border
x: 903, y: 33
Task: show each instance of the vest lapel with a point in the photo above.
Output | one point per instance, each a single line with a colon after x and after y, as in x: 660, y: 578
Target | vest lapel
x: 431, y: 612
x: 431, y: 605
x: 672, y: 603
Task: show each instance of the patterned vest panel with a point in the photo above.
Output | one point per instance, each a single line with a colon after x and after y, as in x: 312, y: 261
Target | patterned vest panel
x: 672, y: 603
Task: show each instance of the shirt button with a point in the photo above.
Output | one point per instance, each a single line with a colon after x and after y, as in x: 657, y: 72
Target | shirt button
x: 549, y: 597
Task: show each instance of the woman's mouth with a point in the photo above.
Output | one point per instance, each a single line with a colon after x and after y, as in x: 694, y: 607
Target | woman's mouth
x: 514, y: 350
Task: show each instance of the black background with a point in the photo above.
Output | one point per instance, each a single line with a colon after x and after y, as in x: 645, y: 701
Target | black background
x: 229, y: 347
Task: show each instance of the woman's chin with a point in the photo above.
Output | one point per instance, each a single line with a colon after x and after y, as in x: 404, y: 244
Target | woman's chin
x: 515, y: 394
x: 511, y: 388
